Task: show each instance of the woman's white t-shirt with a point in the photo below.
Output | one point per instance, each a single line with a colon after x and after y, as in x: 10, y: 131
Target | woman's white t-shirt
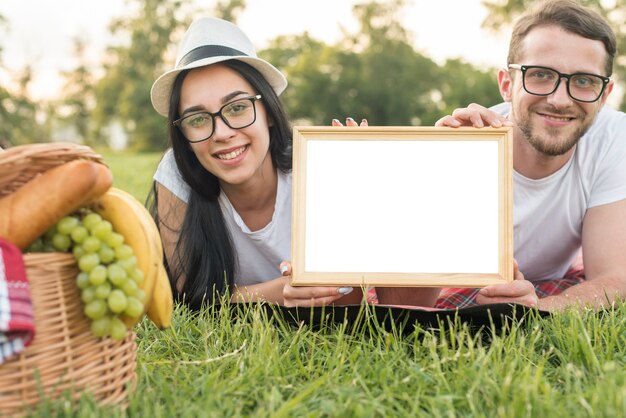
x: 259, y: 253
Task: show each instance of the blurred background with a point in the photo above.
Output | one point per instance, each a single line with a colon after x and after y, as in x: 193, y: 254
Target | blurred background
x: 81, y: 71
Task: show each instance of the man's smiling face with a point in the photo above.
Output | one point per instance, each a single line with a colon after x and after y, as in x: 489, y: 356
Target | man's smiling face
x: 553, y: 124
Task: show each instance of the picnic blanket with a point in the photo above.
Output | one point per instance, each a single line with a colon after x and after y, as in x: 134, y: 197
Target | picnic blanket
x: 403, y: 319
x: 453, y: 304
x: 17, y: 327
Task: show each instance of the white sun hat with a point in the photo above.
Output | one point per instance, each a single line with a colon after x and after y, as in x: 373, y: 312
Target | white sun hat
x: 208, y: 41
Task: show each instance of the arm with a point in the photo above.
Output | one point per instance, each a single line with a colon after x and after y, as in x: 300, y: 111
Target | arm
x: 281, y: 292
x: 604, y: 257
x: 270, y: 291
x: 604, y: 250
x: 415, y: 296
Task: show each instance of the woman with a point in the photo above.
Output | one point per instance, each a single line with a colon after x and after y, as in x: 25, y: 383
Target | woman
x: 223, y: 193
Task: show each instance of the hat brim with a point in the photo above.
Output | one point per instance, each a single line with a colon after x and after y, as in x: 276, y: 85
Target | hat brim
x: 162, y: 87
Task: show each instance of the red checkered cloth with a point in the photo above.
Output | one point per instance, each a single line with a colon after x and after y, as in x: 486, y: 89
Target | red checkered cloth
x: 17, y: 327
x: 464, y: 297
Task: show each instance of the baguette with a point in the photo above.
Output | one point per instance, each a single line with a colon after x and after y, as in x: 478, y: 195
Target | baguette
x: 103, y: 183
x: 30, y: 211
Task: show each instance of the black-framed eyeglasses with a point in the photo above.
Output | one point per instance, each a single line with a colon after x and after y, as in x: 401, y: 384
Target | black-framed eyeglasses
x: 543, y: 81
x: 238, y: 114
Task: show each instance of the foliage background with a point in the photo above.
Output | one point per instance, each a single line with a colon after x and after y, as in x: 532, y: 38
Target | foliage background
x: 374, y: 72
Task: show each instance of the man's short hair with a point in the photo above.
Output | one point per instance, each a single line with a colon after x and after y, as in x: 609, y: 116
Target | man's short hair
x: 569, y: 16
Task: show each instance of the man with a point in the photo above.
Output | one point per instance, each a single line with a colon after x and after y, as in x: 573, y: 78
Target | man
x: 569, y: 159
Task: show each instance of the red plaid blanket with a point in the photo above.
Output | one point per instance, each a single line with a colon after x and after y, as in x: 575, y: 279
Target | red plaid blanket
x: 464, y: 297
x: 17, y: 327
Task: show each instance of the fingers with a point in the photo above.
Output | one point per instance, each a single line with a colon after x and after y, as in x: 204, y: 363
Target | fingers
x: 350, y: 122
x: 517, y: 275
x: 449, y: 121
x: 309, y: 295
x: 285, y: 268
x: 474, y: 115
x: 519, y: 291
x: 526, y: 300
x: 313, y: 295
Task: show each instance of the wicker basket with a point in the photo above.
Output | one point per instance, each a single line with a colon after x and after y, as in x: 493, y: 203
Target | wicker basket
x: 64, y: 357
x: 20, y: 164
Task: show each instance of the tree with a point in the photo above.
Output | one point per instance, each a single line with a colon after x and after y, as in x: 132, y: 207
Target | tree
x: 75, y: 107
x: 462, y: 84
x: 19, y: 122
x: 503, y: 12
x: 20, y: 119
x: 123, y: 94
x: 374, y: 73
x: 229, y: 9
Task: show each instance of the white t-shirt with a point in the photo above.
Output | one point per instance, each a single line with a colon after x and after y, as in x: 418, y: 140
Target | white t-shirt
x: 548, y: 213
x: 259, y: 253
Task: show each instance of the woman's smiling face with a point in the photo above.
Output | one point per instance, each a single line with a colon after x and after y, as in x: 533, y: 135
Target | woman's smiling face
x: 234, y: 156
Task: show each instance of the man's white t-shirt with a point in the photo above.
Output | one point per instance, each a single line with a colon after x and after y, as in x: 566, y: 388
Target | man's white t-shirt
x: 548, y: 213
x: 259, y: 253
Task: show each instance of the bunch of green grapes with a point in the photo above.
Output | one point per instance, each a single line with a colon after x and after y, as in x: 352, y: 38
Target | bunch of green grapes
x: 109, y: 278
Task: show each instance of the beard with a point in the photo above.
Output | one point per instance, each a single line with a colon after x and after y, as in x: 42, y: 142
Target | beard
x: 546, y: 144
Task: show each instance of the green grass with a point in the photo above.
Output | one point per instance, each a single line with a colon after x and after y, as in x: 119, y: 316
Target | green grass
x: 132, y: 172
x: 213, y: 364
x: 216, y: 364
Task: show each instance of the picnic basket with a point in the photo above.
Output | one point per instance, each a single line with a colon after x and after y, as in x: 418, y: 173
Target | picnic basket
x: 64, y: 359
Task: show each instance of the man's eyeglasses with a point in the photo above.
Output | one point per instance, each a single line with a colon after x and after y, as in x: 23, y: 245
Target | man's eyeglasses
x: 543, y: 81
x: 238, y: 114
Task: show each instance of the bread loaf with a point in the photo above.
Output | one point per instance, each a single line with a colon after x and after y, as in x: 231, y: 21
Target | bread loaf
x: 31, y: 210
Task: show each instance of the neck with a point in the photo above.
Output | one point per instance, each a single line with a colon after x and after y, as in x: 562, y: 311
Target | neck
x: 533, y: 164
x: 257, y: 193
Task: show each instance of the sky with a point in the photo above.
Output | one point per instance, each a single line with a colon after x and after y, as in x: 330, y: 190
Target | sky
x: 40, y: 32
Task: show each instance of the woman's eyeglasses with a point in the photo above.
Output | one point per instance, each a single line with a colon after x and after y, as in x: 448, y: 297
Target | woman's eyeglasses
x: 200, y: 126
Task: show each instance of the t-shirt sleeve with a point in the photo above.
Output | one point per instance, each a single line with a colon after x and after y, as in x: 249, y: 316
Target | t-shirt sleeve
x: 609, y: 184
x: 168, y: 176
x: 503, y: 108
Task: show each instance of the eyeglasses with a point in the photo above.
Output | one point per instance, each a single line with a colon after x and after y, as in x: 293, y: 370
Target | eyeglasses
x: 238, y: 114
x: 543, y: 81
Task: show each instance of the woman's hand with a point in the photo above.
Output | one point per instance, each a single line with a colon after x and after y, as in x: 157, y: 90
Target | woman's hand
x: 350, y: 122
x: 519, y: 291
x: 474, y: 115
x: 310, y: 295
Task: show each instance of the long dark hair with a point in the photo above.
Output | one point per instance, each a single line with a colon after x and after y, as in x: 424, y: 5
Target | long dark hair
x: 204, y: 254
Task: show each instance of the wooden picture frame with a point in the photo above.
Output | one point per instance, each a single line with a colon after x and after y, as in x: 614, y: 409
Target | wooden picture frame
x: 402, y: 206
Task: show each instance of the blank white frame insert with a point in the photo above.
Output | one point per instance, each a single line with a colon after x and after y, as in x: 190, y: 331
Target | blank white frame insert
x: 401, y: 206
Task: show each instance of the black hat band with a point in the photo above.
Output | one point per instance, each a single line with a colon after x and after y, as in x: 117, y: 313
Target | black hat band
x: 207, y: 51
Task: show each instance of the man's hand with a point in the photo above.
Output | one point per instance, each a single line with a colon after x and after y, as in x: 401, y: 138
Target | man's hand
x: 519, y: 291
x: 474, y: 115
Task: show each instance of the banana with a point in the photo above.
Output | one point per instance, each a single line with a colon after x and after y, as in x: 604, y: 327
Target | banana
x: 161, y: 309
x: 131, y: 219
